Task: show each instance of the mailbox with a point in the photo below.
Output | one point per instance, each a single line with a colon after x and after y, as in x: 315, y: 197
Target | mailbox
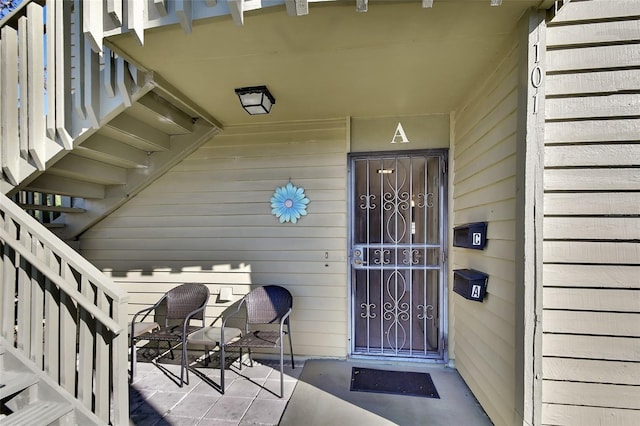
x: 470, y: 284
x: 470, y: 235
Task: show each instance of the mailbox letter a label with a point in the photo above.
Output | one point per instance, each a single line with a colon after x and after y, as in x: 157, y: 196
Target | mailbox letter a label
x: 475, y: 291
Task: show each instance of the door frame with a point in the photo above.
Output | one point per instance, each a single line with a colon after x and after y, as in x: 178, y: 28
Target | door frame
x: 443, y: 299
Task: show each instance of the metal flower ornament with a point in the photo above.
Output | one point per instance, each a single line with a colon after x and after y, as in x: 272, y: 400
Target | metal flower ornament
x: 289, y: 203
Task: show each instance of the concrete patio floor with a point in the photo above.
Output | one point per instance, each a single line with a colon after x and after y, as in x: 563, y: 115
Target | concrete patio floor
x: 251, y: 396
x: 317, y: 392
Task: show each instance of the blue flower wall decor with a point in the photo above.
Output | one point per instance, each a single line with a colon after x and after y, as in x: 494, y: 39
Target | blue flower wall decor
x: 289, y: 203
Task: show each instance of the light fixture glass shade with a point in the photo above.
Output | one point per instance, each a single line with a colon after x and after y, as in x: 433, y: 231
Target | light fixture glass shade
x: 256, y: 100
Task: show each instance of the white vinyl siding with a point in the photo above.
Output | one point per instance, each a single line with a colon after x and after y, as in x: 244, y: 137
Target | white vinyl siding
x: 484, y: 187
x: 591, y: 274
x: 209, y: 220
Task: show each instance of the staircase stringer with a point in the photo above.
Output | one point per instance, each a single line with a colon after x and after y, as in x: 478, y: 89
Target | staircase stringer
x: 137, y: 180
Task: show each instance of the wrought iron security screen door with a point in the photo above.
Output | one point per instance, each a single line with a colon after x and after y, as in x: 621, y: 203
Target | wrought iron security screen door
x: 397, y: 244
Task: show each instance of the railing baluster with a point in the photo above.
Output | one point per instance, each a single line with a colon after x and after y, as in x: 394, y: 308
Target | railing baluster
x: 10, y: 104
x: 68, y: 329
x: 52, y: 66
x: 77, y: 51
x: 52, y: 317
x: 103, y: 339
x: 91, y: 81
x: 119, y: 346
x: 92, y: 24
x: 51, y: 327
x: 4, y: 289
x: 85, y: 347
x: 62, y: 62
x: 9, y: 278
x: 38, y: 141
x: 24, y: 296
x: 23, y: 77
x: 37, y: 300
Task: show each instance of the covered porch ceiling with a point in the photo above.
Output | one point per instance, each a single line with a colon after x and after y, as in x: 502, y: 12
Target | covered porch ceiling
x: 398, y: 58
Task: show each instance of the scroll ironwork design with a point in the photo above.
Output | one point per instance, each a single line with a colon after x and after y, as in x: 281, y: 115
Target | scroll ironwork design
x: 367, y: 205
x: 382, y: 259
x: 368, y: 307
x: 427, y: 312
x: 396, y: 311
x: 427, y: 199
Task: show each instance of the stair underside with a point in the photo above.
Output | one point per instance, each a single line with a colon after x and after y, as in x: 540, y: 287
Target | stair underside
x: 114, y: 163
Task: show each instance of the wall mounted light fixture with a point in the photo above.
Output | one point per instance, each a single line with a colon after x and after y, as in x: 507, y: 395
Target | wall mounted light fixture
x: 256, y: 99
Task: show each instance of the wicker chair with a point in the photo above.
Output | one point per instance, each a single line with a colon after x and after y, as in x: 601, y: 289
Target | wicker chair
x: 264, y: 305
x: 173, y: 312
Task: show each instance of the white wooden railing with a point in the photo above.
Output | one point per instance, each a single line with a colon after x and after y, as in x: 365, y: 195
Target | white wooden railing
x: 57, y: 86
x: 63, y: 314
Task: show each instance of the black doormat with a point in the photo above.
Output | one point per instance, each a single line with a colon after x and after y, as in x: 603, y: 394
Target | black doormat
x: 393, y: 382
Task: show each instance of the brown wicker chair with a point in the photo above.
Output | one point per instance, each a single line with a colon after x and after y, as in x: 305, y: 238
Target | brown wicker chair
x: 173, y: 312
x: 270, y: 304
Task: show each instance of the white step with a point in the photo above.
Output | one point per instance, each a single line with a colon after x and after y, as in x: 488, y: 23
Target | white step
x: 13, y: 381
x: 39, y: 413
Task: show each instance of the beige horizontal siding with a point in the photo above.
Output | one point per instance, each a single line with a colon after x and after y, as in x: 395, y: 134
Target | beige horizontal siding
x: 598, y: 276
x: 594, y: 32
x: 614, y: 105
x: 596, y: 179
x: 592, y: 228
x: 594, y: 323
x: 611, y: 253
x: 592, y: 58
x: 597, y: 371
x: 591, y: 131
x: 483, y: 176
x: 575, y: 415
x: 580, y: 84
x: 592, y: 155
x: 591, y: 299
x: 209, y: 220
x: 596, y: 10
x: 591, y: 394
x: 591, y: 296
x: 584, y: 346
x: 592, y: 203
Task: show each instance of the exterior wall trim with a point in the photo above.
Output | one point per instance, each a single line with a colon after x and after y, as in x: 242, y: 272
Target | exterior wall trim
x: 529, y: 197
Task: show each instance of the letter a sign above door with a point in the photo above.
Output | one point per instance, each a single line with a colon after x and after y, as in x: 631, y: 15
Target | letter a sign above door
x: 400, y: 135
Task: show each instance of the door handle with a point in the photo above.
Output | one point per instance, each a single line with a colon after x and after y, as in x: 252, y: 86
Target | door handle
x: 357, y: 257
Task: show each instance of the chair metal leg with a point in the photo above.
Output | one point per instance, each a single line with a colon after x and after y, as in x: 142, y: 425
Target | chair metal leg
x: 183, y: 363
x: 207, y: 355
x: 281, y: 369
x: 133, y: 359
x: 290, y: 345
x: 222, y: 368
